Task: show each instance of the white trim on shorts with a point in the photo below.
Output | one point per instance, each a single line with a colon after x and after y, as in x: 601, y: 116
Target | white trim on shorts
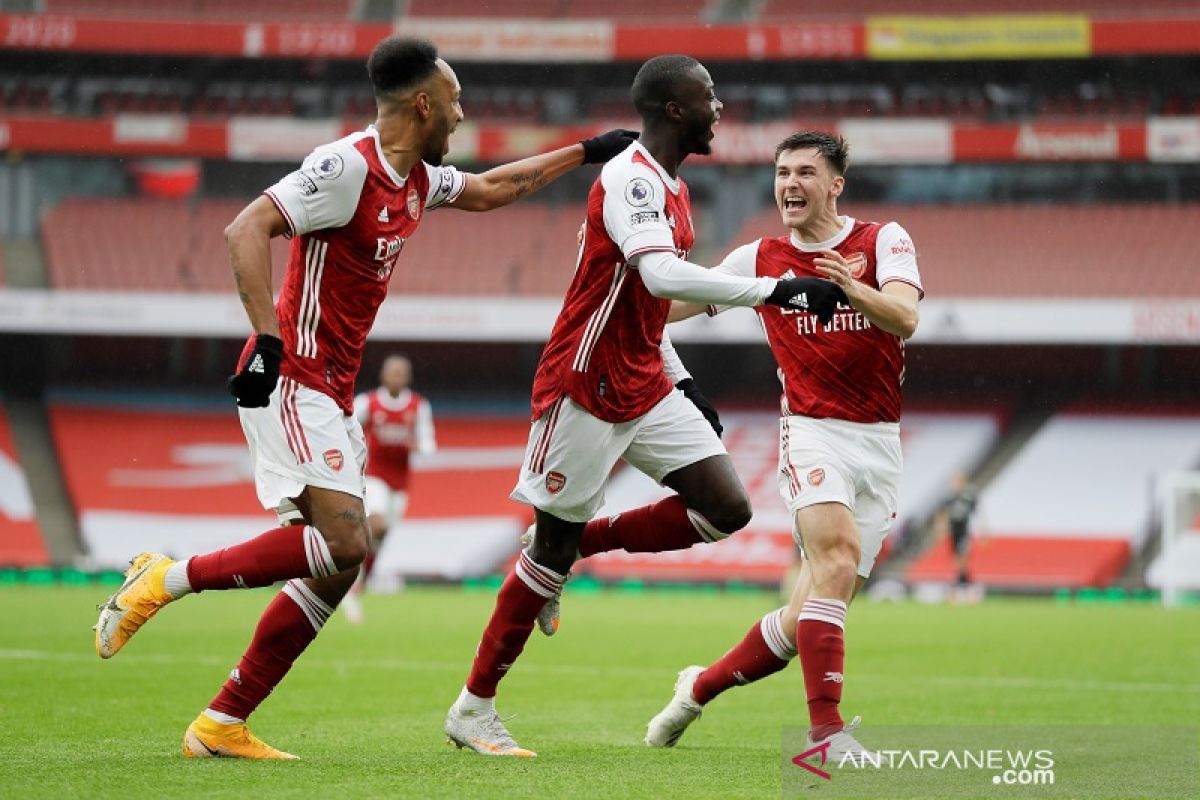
x: 837, y: 461
x: 302, y: 438
x: 570, y: 453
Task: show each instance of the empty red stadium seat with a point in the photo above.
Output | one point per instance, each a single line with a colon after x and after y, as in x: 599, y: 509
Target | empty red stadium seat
x: 214, y: 9
x: 1029, y: 563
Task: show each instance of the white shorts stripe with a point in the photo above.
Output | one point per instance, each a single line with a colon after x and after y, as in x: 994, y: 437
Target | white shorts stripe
x: 538, y: 462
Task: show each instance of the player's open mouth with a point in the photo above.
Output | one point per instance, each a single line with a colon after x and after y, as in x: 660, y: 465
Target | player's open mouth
x: 794, y: 204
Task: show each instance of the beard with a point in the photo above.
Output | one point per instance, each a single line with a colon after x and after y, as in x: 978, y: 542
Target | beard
x: 435, y: 147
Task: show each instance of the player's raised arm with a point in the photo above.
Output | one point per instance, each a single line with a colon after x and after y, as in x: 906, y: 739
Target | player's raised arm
x: 249, y: 240
x: 510, y: 182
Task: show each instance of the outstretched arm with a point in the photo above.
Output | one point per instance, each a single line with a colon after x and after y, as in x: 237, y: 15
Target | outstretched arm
x: 510, y: 182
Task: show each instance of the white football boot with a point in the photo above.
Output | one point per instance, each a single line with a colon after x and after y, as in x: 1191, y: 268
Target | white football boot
x: 483, y: 732
x: 670, y: 723
x: 842, y: 744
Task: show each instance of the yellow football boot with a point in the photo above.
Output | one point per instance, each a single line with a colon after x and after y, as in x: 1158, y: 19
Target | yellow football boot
x: 139, y: 598
x: 207, y: 738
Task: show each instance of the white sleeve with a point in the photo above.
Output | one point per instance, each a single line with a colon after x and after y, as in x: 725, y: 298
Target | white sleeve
x: 635, y: 209
x: 426, y: 442
x: 896, y: 257
x: 742, y: 261
x: 445, y: 185
x: 667, y: 275
x: 672, y: 364
x: 362, y: 407
x: 324, y: 192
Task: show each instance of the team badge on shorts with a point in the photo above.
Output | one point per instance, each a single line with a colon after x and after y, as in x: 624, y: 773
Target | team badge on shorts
x: 414, y: 203
x: 334, y: 459
x: 816, y: 477
x: 555, y: 481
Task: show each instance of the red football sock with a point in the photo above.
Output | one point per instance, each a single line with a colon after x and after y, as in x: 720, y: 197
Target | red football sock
x: 657, y: 528
x: 290, y: 552
x: 521, y: 597
x: 821, y: 641
x: 291, y: 621
x: 763, y: 652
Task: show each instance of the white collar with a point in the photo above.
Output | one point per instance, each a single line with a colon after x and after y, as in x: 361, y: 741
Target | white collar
x: 829, y: 243
x: 672, y: 183
x: 391, y: 173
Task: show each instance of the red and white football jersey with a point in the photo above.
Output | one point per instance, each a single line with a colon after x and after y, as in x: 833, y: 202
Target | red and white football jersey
x: 348, y: 214
x: 848, y: 369
x: 394, y: 427
x: 603, y: 352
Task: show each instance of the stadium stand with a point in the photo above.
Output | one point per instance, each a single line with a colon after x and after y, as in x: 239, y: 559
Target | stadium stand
x: 785, y: 10
x: 288, y: 10
x: 21, y: 542
x: 619, y: 10
x: 1013, y: 250
x: 1043, y: 250
x: 89, y: 245
x: 1075, y: 503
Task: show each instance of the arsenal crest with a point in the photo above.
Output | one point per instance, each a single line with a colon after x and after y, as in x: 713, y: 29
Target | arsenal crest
x: 334, y: 460
x: 555, y: 481
x: 414, y: 203
x: 816, y: 477
x: 858, y: 264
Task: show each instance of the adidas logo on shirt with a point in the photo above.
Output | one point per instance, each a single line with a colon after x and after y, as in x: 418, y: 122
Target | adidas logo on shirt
x: 383, y: 215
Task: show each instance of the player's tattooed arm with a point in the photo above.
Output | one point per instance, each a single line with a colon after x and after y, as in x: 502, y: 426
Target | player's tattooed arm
x: 249, y: 240
x: 510, y: 182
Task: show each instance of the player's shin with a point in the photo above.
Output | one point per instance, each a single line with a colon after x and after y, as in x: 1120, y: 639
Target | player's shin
x: 296, y: 551
x: 821, y: 641
x: 764, y: 651
x: 289, y: 624
x: 657, y: 528
x: 521, y: 597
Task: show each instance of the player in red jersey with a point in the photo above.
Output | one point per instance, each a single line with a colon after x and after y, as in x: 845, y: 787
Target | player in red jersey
x: 349, y: 210
x: 602, y: 392
x: 839, y: 449
x: 397, y: 422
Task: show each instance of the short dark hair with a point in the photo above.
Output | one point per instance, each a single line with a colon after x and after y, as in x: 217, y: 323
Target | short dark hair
x: 657, y: 83
x: 833, y: 147
x: 401, y: 62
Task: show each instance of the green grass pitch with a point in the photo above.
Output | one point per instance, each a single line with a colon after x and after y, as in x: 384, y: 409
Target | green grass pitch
x: 364, y: 706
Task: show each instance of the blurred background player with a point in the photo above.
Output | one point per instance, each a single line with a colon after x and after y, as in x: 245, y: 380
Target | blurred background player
x: 602, y: 391
x: 839, y: 448
x: 349, y: 210
x: 953, y: 522
x: 397, y: 422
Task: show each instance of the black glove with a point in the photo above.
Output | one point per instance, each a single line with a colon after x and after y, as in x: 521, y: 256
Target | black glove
x: 600, y: 149
x: 692, y: 392
x: 253, y: 384
x: 816, y: 295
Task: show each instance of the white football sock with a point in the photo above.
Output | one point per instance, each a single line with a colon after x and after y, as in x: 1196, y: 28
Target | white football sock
x: 224, y: 719
x: 471, y: 705
x: 176, y: 580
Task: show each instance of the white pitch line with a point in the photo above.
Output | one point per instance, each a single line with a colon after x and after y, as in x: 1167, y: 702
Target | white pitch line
x: 1010, y: 682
